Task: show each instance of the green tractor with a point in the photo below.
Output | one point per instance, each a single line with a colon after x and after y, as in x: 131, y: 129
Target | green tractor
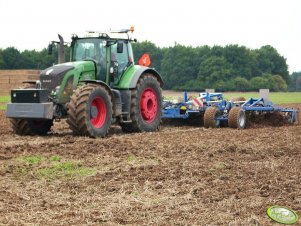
x: 101, y: 85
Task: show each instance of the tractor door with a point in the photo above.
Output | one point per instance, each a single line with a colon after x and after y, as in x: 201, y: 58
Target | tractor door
x: 101, y: 61
x: 120, y: 60
x: 91, y: 49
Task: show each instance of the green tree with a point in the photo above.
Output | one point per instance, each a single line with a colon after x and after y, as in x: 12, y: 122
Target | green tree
x: 298, y: 84
x: 12, y: 58
x: 219, y: 86
x: 241, y: 84
x: 280, y: 84
x: 1, y: 60
x: 178, y: 66
x: 271, y: 62
x: 28, y: 59
x: 241, y: 59
x: 259, y: 83
x: 214, y: 69
x: 295, y: 81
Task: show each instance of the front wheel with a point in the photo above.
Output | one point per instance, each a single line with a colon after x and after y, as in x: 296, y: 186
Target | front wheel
x: 31, y: 126
x: 90, y: 111
x: 146, y: 104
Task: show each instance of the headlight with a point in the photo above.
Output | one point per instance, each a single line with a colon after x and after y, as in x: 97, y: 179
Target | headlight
x: 57, y: 89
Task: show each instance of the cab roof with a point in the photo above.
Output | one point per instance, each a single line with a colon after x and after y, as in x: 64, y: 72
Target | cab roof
x: 111, y: 34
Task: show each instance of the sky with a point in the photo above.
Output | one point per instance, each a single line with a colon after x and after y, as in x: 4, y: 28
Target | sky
x: 31, y: 24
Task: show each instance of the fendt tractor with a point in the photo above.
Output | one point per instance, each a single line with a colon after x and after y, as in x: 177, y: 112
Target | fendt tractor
x: 100, y: 85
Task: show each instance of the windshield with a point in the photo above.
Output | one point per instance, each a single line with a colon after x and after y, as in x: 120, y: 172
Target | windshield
x: 89, y: 49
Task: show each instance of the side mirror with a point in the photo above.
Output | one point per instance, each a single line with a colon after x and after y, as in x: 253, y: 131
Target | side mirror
x: 119, y: 47
x: 49, y: 49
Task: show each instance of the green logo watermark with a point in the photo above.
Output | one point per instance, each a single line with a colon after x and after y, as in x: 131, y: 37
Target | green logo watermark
x: 282, y: 214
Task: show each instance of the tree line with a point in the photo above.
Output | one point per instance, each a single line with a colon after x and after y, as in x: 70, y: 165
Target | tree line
x: 229, y: 68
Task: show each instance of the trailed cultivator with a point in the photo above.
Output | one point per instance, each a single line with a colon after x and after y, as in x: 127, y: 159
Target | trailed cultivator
x: 254, y: 107
x: 195, y: 107
x: 215, y: 111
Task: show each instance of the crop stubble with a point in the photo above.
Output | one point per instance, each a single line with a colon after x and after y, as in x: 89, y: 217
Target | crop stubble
x: 178, y: 176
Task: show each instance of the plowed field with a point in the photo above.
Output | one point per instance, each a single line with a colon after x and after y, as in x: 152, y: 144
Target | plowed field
x: 183, y: 175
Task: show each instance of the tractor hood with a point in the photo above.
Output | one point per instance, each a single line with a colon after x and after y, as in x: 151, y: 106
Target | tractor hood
x: 53, y: 76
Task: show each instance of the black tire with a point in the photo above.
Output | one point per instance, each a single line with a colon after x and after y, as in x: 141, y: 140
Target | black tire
x: 127, y: 127
x: 31, y: 126
x: 237, y: 118
x: 93, y: 111
x: 146, y: 106
x: 234, y: 99
x: 71, y: 118
x: 210, y: 116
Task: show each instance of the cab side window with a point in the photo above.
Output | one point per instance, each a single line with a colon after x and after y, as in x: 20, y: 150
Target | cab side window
x: 121, y: 58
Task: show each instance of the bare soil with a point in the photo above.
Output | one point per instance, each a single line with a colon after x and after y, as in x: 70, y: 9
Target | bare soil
x: 181, y: 175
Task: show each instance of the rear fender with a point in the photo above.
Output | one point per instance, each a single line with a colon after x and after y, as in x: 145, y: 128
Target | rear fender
x: 130, y: 78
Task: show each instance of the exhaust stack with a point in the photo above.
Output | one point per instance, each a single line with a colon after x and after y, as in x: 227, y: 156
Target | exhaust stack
x: 61, y: 50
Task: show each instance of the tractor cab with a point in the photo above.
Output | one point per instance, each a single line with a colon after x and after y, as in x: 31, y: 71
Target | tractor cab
x: 111, y: 56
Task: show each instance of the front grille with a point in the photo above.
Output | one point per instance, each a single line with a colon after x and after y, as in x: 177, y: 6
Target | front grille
x: 51, y: 81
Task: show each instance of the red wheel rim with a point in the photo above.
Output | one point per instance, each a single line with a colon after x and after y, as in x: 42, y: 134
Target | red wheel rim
x: 98, y: 112
x: 149, y: 105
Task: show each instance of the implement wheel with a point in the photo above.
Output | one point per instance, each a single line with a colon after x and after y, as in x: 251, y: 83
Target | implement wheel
x: 210, y: 116
x: 237, y: 118
x: 146, y: 105
x: 90, y: 111
x: 234, y: 99
x: 31, y: 126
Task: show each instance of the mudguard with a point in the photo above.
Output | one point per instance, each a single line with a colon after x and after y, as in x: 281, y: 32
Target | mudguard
x: 131, y: 76
x: 99, y: 83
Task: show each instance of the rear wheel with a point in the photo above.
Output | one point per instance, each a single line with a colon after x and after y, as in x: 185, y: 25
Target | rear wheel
x: 210, y: 116
x: 90, y: 111
x: 237, y: 118
x: 31, y: 126
x: 146, y: 104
